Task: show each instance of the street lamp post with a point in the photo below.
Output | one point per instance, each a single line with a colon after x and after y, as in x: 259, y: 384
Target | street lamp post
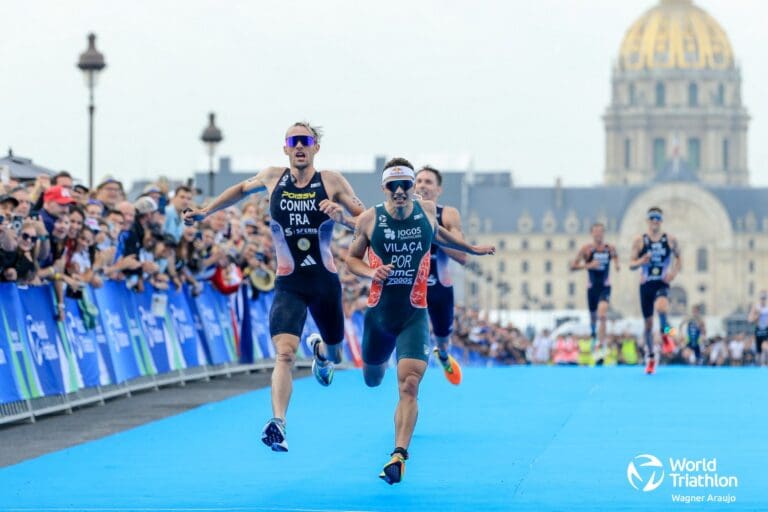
x: 91, y: 63
x: 211, y: 137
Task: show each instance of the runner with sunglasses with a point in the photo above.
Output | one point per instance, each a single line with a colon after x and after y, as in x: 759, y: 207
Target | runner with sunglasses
x: 653, y: 253
x: 397, y: 236
x: 429, y: 185
x: 304, y: 204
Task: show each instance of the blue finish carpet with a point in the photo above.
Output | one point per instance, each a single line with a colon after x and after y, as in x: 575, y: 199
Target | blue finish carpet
x: 519, y: 438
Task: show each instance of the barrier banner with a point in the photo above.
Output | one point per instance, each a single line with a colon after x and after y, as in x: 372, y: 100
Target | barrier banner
x: 310, y: 327
x: 123, y: 354
x: 136, y: 332
x: 260, y: 323
x: 208, y: 328
x: 353, y: 337
x: 12, y: 331
x: 83, y: 344
x: 58, y: 374
x: 9, y: 390
x: 225, y: 319
x: 151, y: 307
x: 180, y: 322
x: 100, y: 338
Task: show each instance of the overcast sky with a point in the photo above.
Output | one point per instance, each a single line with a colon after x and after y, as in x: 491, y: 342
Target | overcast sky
x: 511, y: 84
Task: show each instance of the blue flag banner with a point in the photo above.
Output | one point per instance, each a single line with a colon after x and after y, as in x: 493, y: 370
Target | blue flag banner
x: 45, y: 343
x: 260, y: 323
x: 224, y: 318
x: 181, y: 323
x: 122, y: 353
x: 164, y: 354
x: 83, y: 345
x: 106, y: 368
x: 136, y: 332
x: 207, y: 324
x: 9, y: 388
x: 22, y: 361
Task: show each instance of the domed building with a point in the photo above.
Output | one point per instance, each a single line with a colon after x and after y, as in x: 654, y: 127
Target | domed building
x: 676, y: 137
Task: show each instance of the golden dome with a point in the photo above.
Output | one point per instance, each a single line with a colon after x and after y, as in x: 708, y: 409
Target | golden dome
x: 676, y: 35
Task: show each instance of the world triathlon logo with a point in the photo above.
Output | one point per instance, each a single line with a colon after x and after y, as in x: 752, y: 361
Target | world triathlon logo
x: 645, y: 472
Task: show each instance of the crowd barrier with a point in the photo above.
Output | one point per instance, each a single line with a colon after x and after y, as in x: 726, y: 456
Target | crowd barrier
x: 114, y: 341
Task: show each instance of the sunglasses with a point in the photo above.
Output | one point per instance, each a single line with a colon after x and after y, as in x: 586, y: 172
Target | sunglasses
x: 654, y: 217
x: 294, y: 140
x: 28, y: 238
x: 392, y: 186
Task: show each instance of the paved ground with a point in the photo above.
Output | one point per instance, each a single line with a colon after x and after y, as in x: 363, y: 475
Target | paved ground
x: 51, y: 433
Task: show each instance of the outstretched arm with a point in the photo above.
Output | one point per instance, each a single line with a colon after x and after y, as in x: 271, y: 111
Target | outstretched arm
x: 257, y: 184
x: 452, y: 222
x: 445, y: 238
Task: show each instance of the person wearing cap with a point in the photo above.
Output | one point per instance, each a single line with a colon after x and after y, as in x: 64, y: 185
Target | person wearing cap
x: 657, y: 255
x: 131, y: 240
x: 80, y: 193
x: 396, y: 236
x: 56, y: 201
x: 110, y: 192
x: 304, y: 204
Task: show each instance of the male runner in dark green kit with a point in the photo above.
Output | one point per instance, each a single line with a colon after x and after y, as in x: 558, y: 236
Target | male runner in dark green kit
x: 397, y: 236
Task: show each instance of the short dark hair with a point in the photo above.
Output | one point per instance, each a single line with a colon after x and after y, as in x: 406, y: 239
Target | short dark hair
x: 62, y: 174
x: 655, y: 209
x: 597, y: 225
x: 183, y: 188
x: 434, y: 171
x: 115, y: 212
x: 395, y: 162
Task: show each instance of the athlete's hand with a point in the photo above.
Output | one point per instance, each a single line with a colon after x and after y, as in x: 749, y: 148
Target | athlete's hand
x: 331, y: 209
x: 644, y: 259
x: 482, y: 250
x: 668, y: 278
x: 381, y: 273
x: 190, y: 216
x: 592, y: 265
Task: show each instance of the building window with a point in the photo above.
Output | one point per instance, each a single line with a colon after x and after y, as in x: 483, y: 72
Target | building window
x: 632, y: 94
x: 547, y: 289
x: 548, y: 244
x: 502, y: 244
x: 725, y: 154
x: 524, y: 289
x: 751, y: 267
x: 702, y: 260
x: 751, y: 244
x: 502, y: 266
x: 524, y: 267
x: 473, y: 289
x: 571, y: 244
x: 694, y: 154
x: 571, y: 289
x: 720, y: 98
x: 627, y: 153
x: 524, y: 244
x: 751, y: 290
x: 659, y: 154
x: 548, y: 267
x: 702, y: 288
x: 693, y: 95
x: 660, y: 95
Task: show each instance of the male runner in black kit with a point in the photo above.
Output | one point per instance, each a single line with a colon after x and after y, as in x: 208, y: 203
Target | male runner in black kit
x: 653, y: 253
x: 429, y: 185
x: 397, y: 235
x: 596, y: 258
x: 304, y: 204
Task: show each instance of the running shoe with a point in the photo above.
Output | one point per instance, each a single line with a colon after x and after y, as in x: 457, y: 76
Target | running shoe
x: 450, y: 367
x: 322, y: 370
x: 273, y: 435
x: 394, y: 470
x: 650, y: 368
x: 667, y: 344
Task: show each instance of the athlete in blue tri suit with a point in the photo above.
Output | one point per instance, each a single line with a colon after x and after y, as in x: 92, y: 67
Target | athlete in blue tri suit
x: 304, y: 204
x: 758, y: 315
x: 657, y: 255
x: 695, y: 330
x: 596, y: 258
x: 429, y: 185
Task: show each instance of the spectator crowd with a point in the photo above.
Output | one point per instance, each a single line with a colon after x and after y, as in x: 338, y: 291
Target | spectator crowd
x: 53, y: 230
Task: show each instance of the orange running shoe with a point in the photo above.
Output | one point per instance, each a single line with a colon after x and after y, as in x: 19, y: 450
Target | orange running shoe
x: 450, y: 367
x: 667, y: 344
x: 650, y: 368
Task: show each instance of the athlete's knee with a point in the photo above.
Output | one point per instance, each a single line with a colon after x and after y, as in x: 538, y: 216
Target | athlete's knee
x: 286, y: 357
x: 409, y: 386
x: 372, y: 376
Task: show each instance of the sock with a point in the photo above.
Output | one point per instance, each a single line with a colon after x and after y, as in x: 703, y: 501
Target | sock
x: 663, y: 323
x: 649, y: 343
